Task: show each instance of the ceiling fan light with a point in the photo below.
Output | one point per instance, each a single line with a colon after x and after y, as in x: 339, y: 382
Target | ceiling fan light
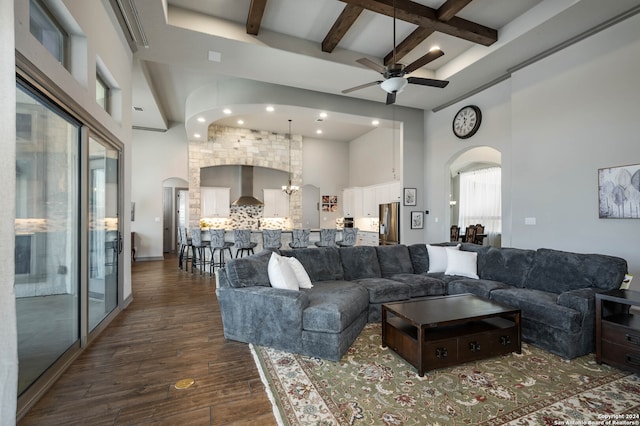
x: 394, y: 84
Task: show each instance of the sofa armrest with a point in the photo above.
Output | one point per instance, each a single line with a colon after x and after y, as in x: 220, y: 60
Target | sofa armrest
x: 582, y: 300
x: 262, y: 315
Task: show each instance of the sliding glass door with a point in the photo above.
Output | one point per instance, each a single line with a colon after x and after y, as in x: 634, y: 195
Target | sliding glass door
x: 105, y: 242
x: 67, y: 234
x: 47, y: 268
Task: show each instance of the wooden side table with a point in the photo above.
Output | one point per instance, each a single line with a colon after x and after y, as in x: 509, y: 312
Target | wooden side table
x: 618, y: 329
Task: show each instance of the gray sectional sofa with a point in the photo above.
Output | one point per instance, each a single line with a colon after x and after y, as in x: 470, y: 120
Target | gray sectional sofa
x: 555, y: 291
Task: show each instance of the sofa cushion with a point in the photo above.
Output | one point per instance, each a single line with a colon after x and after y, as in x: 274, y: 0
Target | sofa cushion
x: 438, y: 258
x: 322, y: 263
x: 508, y: 265
x: 480, y: 287
x: 359, y: 262
x: 463, y: 263
x: 249, y: 271
x: 540, y: 306
x: 421, y: 285
x: 333, y: 305
x: 419, y: 258
x: 394, y: 259
x: 558, y: 271
x: 281, y: 274
x: 304, y: 281
x: 384, y: 290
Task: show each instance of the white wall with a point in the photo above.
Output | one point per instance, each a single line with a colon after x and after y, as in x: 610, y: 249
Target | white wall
x: 156, y: 156
x: 8, y: 334
x: 556, y: 123
x: 375, y: 157
x: 325, y: 164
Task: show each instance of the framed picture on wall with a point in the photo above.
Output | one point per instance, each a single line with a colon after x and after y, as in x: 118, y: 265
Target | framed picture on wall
x: 618, y: 192
x: 417, y: 220
x: 409, y: 197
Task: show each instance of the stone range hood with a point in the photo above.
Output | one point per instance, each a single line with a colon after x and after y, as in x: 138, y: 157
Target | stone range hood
x: 246, y: 189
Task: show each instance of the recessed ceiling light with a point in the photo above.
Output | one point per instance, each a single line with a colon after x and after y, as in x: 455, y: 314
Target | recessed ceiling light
x: 137, y: 108
x: 270, y: 108
x: 240, y: 121
x: 319, y: 132
x: 375, y: 122
x: 226, y: 111
x: 323, y: 115
x: 196, y: 135
x: 201, y: 120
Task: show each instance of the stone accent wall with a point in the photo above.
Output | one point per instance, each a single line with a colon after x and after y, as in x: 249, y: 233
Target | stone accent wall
x: 236, y: 146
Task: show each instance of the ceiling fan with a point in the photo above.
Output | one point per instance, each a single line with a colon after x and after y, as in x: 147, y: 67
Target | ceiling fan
x: 394, y: 81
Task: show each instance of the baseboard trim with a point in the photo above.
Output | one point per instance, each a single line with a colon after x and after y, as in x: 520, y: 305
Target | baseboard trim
x: 149, y: 258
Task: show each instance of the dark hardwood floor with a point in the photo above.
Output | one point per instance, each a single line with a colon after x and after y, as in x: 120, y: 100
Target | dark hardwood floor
x: 171, y: 331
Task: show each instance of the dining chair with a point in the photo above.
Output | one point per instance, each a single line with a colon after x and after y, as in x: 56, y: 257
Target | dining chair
x: 199, y: 258
x: 454, y: 233
x: 348, y: 237
x: 470, y: 234
x: 479, y: 234
x: 300, y: 238
x: 242, y: 242
x: 271, y: 238
x: 327, y: 238
x: 218, y: 243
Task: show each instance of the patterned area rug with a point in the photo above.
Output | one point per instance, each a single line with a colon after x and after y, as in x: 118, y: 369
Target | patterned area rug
x: 372, y: 385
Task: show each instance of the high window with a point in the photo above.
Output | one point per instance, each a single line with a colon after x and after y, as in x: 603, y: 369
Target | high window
x: 46, y: 28
x: 102, y: 92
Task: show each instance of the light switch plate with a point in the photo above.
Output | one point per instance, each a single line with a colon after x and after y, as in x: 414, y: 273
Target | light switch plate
x: 529, y: 220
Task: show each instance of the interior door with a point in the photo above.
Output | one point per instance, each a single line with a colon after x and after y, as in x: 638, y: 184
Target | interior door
x: 310, y: 207
x: 105, y: 239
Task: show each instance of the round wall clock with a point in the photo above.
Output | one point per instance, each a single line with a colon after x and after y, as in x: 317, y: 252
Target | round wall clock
x: 467, y: 121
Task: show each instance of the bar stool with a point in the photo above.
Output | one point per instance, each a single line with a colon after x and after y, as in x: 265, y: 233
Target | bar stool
x: 271, y: 238
x: 199, y: 254
x: 185, y: 245
x: 327, y: 238
x: 348, y: 237
x: 218, y: 243
x: 300, y: 238
x: 243, y: 243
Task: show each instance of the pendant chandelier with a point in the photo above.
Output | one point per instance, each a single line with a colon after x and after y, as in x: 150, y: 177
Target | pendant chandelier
x: 290, y: 189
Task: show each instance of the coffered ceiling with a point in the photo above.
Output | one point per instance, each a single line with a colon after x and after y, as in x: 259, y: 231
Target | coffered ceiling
x: 184, y: 45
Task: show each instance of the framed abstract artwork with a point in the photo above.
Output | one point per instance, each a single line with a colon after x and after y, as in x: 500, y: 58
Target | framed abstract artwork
x: 417, y: 220
x: 619, y: 192
x: 409, y: 197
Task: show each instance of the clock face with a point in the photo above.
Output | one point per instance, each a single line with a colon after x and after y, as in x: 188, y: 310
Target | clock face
x: 467, y: 121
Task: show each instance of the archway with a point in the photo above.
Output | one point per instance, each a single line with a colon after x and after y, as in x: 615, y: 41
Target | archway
x: 470, y: 160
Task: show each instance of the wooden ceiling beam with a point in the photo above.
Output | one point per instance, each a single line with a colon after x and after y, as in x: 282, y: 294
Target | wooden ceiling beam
x: 340, y: 27
x: 445, y: 12
x: 427, y: 17
x: 254, y: 18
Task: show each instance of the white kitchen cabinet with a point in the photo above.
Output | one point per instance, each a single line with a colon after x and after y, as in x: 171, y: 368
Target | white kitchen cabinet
x: 276, y: 203
x: 395, y: 191
x: 367, y: 239
x: 369, y: 202
x: 352, y: 202
x: 214, y: 202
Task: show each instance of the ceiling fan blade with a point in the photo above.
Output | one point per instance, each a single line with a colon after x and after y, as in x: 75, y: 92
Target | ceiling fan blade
x: 391, y: 98
x: 432, y: 55
x: 362, y: 86
x: 370, y: 64
x: 428, y: 82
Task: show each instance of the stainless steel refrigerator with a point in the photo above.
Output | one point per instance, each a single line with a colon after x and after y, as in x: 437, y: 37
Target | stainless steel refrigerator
x: 389, y: 220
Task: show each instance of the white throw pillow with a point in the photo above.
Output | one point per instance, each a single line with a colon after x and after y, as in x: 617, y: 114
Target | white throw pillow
x: 438, y: 257
x: 463, y: 263
x: 301, y: 274
x: 280, y: 273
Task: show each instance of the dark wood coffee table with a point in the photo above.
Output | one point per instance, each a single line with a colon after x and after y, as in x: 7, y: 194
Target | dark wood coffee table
x: 443, y: 331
